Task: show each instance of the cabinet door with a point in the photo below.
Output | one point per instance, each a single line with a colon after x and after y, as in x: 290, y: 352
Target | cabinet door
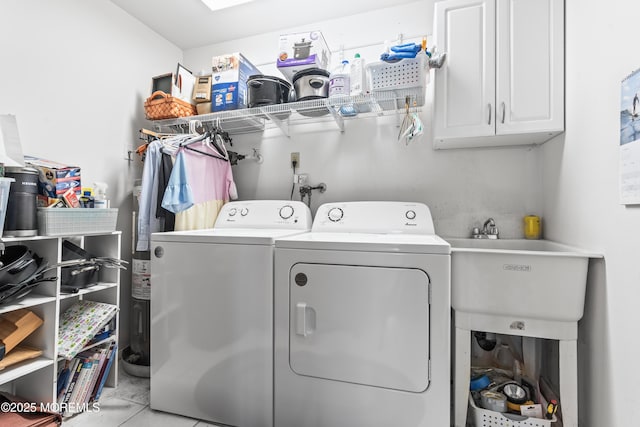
x: 530, y: 66
x: 465, y: 86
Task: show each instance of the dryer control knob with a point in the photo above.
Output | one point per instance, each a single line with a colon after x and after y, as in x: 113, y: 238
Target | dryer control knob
x: 286, y: 212
x: 244, y: 211
x: 335, y: 214
x: 233, y: 211
x: 410, y: 214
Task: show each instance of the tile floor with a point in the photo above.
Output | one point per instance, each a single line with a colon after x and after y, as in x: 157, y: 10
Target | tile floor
x: 128, y: 406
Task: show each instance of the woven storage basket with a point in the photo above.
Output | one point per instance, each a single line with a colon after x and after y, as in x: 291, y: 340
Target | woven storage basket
x: 162, y: 106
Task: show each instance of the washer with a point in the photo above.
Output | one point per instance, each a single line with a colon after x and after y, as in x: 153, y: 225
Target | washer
x: 362, y: 319
x: 212, y: 314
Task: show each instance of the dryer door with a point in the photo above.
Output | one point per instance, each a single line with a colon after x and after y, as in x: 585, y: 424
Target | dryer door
x: 360, y: 324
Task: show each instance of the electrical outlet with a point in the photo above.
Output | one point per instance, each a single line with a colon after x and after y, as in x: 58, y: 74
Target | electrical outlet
x: 300, y: 178
x: 295, y: 157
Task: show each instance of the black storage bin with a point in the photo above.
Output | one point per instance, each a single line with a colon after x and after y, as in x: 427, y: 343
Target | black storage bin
x: 77, y: 276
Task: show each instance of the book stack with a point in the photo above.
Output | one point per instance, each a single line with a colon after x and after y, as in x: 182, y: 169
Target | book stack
x: 81, y: 379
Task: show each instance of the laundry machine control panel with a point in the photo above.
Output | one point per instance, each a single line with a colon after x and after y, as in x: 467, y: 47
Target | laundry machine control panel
x: 285, y: 214
x: 374, y: 217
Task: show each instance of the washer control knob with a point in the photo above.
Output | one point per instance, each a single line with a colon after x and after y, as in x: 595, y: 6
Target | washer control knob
x: 410, y: 214
x: 244, y: 211
x: 286, y: 212
x: 335, y: 214
x: 233, y: 211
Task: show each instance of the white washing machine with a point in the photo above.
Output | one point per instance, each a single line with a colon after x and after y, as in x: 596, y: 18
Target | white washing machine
x: 212, y: 314
x: 362, y: 320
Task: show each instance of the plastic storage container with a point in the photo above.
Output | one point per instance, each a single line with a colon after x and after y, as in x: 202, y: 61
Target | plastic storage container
x: 68, y: 221
x: 5, y: 185
x: 408, y: 76
x: 486, y: 418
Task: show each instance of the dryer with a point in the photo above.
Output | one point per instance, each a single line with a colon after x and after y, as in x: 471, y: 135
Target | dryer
x: 362, y: 319
x: 212, y: 314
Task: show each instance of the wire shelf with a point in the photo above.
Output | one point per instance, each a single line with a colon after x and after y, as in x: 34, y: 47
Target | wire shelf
x: 338, y: 109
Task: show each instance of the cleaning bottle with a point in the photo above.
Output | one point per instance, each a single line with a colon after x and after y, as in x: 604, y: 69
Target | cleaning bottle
x: 100, y: 195
x: 340, y: 86
x: 340, y: 80
x: 358, y: 78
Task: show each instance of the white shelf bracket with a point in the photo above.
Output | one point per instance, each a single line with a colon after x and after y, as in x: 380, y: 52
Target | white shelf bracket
x: 283, y: 125
x: 337, y: 117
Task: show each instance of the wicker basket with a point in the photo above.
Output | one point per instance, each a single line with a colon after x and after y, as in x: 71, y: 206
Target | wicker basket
x: 162, y: 106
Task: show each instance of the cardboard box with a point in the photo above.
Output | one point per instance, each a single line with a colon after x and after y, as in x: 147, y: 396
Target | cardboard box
x: 54, y: 178
x: 229, y: 81
x: 300, y: 51
x: 179, y: 84
x: 15, y: 326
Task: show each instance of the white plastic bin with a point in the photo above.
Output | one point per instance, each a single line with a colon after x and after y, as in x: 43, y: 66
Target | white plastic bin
x: 486, y: 418
x: 70, y: 221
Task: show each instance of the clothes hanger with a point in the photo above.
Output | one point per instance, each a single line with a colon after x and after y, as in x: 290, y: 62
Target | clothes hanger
x: 204, y: 137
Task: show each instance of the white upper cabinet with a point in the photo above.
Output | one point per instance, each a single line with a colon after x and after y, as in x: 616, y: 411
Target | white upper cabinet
x: 503, y: 80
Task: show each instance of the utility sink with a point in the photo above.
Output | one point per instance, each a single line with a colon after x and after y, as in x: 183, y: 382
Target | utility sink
x: 529, y: 279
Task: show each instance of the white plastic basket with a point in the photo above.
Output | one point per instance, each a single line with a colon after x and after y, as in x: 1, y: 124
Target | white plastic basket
x: 405, y: 74
x: 487, y: 418
x: 407, y: 77
x: 70, y: 221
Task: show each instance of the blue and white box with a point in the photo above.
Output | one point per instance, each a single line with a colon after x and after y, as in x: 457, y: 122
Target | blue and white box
x: 229, y: 81
x: 301, y: 51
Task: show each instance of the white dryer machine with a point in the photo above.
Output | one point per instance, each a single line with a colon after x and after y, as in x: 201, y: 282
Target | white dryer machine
x: 362, y: 320
x: 212, y: 314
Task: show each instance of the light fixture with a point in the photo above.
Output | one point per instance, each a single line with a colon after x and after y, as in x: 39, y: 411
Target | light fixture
x: 223, y: 4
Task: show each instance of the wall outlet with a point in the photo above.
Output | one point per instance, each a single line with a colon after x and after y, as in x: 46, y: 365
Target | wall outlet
x: 300, y: 178
x: 295, y: 157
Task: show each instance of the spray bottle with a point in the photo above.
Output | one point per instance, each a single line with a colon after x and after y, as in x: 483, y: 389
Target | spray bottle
x: 100, y: 195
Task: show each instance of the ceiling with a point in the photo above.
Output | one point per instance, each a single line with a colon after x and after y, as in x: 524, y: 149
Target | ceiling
x: 190, y: 24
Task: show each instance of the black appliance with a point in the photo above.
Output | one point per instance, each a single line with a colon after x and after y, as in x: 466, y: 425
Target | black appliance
x: 22, y: 211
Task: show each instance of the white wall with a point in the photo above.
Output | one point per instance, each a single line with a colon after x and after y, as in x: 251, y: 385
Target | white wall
x: 75, y: 74
x: 581, y: 199
x: 462, y: 187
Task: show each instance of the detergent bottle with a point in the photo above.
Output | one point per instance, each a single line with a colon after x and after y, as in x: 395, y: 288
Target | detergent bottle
x: 340, y: 80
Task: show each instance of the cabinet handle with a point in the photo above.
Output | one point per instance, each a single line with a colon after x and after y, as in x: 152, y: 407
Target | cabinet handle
x: 489, y: 107
x: 504, y: 109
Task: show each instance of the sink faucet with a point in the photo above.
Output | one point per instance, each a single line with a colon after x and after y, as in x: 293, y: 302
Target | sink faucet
x: 489, y: 230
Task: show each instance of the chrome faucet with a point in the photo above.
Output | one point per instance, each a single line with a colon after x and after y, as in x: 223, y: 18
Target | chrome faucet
x: 489, y: 230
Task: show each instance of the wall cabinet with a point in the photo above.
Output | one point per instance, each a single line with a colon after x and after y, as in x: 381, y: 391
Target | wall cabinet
x: 35, y: 379
x: 503, y: 81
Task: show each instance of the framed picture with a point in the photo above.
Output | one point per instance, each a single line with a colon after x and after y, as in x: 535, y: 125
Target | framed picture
x: 630, y: 139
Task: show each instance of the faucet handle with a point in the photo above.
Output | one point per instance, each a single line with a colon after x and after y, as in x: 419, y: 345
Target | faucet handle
x: 493, y: 233
x: 475, y: 233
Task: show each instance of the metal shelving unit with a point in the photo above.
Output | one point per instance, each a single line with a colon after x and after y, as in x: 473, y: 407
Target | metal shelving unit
x: 283, y: 116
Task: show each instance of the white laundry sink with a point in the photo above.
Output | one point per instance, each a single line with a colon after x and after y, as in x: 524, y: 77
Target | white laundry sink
x: 531, y: 279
